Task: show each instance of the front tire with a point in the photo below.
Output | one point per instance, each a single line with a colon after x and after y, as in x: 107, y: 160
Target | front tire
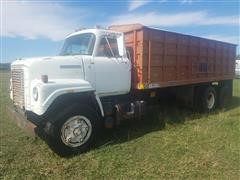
x: 75, y: 130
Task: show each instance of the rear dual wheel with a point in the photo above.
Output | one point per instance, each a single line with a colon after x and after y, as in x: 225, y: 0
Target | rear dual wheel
x: 224, y: 96
x: 206, y: 98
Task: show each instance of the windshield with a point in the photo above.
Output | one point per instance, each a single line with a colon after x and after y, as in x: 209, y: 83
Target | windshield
x: 81, y: 44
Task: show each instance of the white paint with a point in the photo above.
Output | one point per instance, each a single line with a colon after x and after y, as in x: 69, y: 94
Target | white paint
x: 48, y: 92
x: 75, y: 74
x: 99, y: 104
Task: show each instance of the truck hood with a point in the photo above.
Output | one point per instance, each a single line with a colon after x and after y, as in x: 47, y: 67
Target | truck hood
x: 29, y: 61
x: 56, y: 67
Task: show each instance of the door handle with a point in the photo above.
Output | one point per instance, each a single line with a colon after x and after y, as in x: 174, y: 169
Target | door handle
x: 91, y: 62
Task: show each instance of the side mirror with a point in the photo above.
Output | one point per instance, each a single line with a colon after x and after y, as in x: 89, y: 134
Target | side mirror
x: 120, y: 43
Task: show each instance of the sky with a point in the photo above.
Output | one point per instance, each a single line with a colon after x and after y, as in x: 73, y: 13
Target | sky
x: 38, y: 28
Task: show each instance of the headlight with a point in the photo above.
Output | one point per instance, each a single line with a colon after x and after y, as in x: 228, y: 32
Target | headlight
x: 35, y: 93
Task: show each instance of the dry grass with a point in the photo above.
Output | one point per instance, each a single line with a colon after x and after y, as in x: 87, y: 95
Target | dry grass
x: 171, y: 143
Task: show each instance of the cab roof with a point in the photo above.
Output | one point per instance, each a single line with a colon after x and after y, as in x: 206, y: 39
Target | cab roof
x: 94, y: 31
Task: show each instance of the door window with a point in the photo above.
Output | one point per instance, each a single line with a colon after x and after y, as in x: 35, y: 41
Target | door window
x: 108, y: 47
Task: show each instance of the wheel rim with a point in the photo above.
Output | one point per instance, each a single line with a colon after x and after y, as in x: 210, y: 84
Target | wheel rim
x: 76, y: 131
x: 210, y: 100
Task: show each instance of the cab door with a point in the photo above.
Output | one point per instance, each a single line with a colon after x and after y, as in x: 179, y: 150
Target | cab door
x: 112, y: 68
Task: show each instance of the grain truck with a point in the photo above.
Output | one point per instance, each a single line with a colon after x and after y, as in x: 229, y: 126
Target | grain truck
x: 103, y: 76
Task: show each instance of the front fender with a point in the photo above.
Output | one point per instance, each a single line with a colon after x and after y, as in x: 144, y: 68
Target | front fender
x: 48, y: 92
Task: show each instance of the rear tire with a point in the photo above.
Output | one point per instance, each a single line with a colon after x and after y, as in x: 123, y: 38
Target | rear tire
x: 224, y: 96
x: 206, y: 98
x: 75, y: 130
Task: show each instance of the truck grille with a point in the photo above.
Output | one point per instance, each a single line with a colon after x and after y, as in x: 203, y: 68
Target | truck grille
x: 18, y: 86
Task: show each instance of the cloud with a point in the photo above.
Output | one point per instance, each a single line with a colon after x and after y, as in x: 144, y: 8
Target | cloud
x: 162, y: 1
x: 177, y: 19
x: 228, y: 20
x: 186, y: 1
x: 39, y: 20
x: 134, y: 4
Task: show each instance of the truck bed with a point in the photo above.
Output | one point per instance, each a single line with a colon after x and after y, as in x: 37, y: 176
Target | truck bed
x: 162, y: 59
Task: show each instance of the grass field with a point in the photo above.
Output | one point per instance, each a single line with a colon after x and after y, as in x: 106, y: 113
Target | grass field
x: 172, y: 143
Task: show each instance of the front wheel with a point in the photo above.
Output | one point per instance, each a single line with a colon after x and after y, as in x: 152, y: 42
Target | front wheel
x: 75, y: 130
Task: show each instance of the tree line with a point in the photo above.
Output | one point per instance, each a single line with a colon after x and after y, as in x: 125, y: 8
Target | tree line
x: 4, y: 66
